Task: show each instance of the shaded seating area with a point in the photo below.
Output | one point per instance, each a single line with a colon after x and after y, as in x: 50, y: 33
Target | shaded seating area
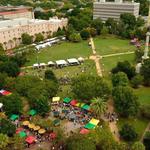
x: 5, y: 92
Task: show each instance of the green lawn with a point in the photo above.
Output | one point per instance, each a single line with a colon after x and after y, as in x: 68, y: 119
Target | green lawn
x: 139, y: 125
x: 143, y: 94
x: 112, y: 44
x: 109, y: 62
x: 61, y: 51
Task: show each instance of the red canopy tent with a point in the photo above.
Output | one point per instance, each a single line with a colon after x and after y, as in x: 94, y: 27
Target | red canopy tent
x: 5, y: 93
x: 30, y: 139
x: 73, y: 102
x: 52, y: 135
x: 18, y: 130
x: 84, y: 131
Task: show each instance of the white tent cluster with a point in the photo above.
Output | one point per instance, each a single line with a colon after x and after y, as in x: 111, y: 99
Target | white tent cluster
x: 60, y: 63
x: 48, y: 42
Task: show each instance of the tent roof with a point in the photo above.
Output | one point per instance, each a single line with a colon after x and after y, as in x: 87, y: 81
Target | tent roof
x: 53, y: 135
x: 42, y: 64
x: 72, y: 60
x: 22, y: 134
x: 18, y: 130
x: 30, y: 139
x: 84, y: 131
x: 61, y: 62
x: 94, y: 121
x: 5, y: 93
x: 1, y: 105
x: 80, y: 104
x: 80, y: 59
x: 86, y: 107
x: 89, y: 126
x: 51, y: 63
x: 32, y: 112
x: 73, y: 102
x: 35, y: 65
x: 14, y: 117
x: 67, y: 100
x: 55, y: 99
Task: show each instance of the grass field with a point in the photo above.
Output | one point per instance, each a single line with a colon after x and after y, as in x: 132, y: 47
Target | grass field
x: 108, y: 63
x: 139, y: 125
x: 112, y: 44
x: 143, y: 94
x: 63, y: 50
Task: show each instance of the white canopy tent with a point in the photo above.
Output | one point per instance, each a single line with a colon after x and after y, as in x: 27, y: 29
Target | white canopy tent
x: 80, y: 59
x: 51, y: 63
x: 35, y: 65
x: 61, y: 63
x: 73, y: 61
x: 42, y: 64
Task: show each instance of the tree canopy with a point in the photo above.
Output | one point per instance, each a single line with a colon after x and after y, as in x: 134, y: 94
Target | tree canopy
x: 86, y: 87
x: 125, y: 100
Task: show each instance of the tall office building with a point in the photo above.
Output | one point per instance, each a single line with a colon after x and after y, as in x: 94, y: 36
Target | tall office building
x: 104, y: 10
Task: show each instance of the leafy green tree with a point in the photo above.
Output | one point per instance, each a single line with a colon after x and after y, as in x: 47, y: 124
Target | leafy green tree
x: 39, y: 37
x: 140, y: 21
x: 138, y: 146
x: 119, y: 79
x: 92, y: 31
x: 49, y: 74
x: 3, y: 77
x: 128, y: 133
x: 99, y: 106
x: 17, y: 143
x: 9, y: 67
x: 145, y: 71
x: 86, y: 87
x: 12, y: 104
x: 111, y: 24
x: 26, y: 39
x: 75, y: 37
x: 136, y: 81
x: 85, y: 34
x: 126, y: 103
x: 4, y: 141
x: 125, y: 67
x: 1, y: 49
x: 129, y: 20
x: 138, y: 55
x: 104, y: 31
x: 97, y: 24
x: 145, y: 111
x: 77, y: 142
x: 7, y: 127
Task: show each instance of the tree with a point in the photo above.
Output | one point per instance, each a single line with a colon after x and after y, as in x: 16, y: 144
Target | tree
x: 145, y: 111
x: 3, y: 77
x: 75, y: 37
x: 85, y: 34
x: 126, y: 103
x: 4, y: 141
x: 92, y: 31
x: 128, y: 133
x: 49, y: 74
x: 26, y: 38
x: 77, y: 142
x: 111, y: 24
x: 86, y: 87
x: 145, y: 71
x: 12, y: 104
x: 140, y: 21
x: 104, y: 31
x: 136, y: 81
x: 125, y: 67
x: 17, y: 143
x: 9, y: 67
x: 119, y: 79
x: 39, y: 37
x: 1, y: 49
x: 99, y: 106
x: 138, y: 146
x: 98, y: 25
x: 7, y: 127
x: 129, y: 20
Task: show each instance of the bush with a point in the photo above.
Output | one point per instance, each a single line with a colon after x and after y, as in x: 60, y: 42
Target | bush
x: 136, y: 81
x: 75, y: 37
x: 85, y: 34
x: 128, y: 133
x: 145, y: 111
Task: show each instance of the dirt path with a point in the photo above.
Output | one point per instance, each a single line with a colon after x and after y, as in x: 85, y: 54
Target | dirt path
x: 96, y: 58
x: 147, y: 129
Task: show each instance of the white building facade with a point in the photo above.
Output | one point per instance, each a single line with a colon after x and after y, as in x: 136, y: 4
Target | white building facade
x: 104, y: 10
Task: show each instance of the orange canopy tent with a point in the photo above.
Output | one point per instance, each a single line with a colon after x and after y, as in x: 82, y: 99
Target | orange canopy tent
x: 84, y: 131
x: 30, y: 139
